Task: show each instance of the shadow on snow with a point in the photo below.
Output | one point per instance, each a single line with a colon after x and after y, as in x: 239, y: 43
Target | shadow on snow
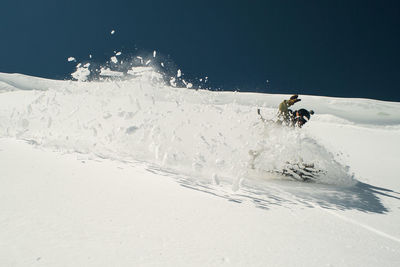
x: 286, y: 193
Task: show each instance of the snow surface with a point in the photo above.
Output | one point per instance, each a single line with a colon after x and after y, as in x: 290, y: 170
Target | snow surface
x: 136, y: 172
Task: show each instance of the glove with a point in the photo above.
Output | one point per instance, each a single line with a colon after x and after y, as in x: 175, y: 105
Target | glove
x: 294, y: 97
x: 293, y: 101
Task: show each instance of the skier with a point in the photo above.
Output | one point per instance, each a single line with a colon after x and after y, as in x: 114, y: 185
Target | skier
x: 287, y: 116
x: 284, y: 113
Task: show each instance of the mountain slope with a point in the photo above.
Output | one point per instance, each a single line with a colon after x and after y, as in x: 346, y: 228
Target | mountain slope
x: 135, y: 172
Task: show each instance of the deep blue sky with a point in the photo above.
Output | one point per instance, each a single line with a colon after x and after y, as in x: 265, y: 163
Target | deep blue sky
x: 335, y: 48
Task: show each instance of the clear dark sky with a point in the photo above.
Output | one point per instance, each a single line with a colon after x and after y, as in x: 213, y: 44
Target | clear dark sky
x: 334, y: 48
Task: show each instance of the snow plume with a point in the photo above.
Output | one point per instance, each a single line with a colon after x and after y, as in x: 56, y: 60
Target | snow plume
x: 283, y: 147
x: 82, y: 72
x: 204, y: 134
x: 125, y: 67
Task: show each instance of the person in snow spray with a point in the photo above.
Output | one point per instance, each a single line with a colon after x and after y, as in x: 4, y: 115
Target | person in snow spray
x: 298, y: 171
x: 289, y: 117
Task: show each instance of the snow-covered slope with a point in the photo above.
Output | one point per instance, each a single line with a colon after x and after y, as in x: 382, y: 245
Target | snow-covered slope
x: 135, y: 172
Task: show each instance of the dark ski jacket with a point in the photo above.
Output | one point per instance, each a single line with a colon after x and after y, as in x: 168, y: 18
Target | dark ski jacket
x: 300, y: 117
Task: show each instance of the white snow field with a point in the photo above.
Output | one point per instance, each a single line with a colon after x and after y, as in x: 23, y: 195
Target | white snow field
x: 134, y: 172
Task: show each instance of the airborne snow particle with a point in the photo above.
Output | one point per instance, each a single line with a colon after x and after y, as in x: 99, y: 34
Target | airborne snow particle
x: 172, y: 82
x: 179, y: 74
x: 118, y: 53
x: 71, y: 59
x: 113, y: 31
x: 188, y: 85
x: 82, y: 72
x: 154, y: 53
x: 114, y: 60
x: 108, y: 72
